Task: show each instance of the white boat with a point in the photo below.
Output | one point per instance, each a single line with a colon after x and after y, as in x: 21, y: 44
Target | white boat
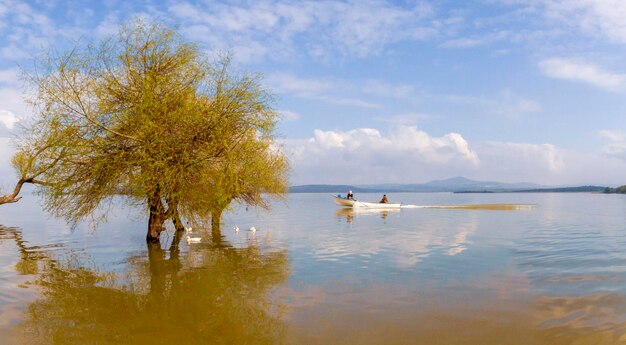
x: 343, y: 201
x: 360, y: 204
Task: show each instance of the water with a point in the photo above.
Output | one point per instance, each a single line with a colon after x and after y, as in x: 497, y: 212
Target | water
x: 314, y: 273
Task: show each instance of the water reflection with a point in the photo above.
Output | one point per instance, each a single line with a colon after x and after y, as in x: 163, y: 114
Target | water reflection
x: 490, y: 310
x: 554, y: 275
x: 212, y: 294
x: 383, y: 232
x: 30, y: 257
x: 350, y: 213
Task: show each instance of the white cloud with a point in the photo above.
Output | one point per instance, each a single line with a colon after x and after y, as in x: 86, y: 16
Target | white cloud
x: 617, y: 149
x: 288, y: 115
x: 599, y: 17
x: 6, y: 170
x: 613, y: 135
x: 409, y: 155
x: 617, y: 146
x: 547, y: 164
x: 512, y: 106
x: 388, y: 90
x: 348, y: 28
x: 405, y: 119
x: 337, y: 92
x: 365, y: 155
x: 12, y: 104
x: 109, y: 26
x: 483, y: 39
x: 583, y: 72
x: 521, y: 159
x: 288, y: 83
x: 593, y: 168
x: 29, y: 32
x: 8, y: 118
x: 9, y: 76
x: 506, y: 104
x: 464, y: 42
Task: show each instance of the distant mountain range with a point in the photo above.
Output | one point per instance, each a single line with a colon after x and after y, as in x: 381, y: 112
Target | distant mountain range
x: 455, y: 184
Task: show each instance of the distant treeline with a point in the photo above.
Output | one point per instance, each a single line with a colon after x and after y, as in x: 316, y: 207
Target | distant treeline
x: 579, y: 189
x: 618, y: 190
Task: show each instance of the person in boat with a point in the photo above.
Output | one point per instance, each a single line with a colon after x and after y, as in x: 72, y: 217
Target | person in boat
x: 350, y: 196
x: 384, y: 200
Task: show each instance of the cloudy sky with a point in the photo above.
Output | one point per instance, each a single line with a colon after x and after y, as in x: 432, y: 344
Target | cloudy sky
x: 381, y: 91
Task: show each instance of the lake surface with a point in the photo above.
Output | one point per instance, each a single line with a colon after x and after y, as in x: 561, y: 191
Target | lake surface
x: 314, y: 273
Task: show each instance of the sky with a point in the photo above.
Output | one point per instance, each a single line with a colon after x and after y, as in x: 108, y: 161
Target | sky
x: 388, y: 91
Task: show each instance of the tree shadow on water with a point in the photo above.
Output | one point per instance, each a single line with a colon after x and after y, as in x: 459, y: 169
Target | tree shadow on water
x: 211, y: 294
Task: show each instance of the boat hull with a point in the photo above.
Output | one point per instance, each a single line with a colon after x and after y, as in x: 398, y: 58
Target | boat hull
x: 360, y: 211
x: 364, y: 205
x: 344, y: 202
x: 361, y: 204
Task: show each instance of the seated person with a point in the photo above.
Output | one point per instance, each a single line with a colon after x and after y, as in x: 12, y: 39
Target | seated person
x: 384, y: 199
x: 350, y: 196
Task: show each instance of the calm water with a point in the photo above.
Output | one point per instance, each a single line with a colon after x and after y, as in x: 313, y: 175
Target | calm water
x: 317, y: 274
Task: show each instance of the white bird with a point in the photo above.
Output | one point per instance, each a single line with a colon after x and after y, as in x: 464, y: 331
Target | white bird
x: 253, y: 229
x: 193, y: 239
x: 236, y: 229
x: 188, y: 229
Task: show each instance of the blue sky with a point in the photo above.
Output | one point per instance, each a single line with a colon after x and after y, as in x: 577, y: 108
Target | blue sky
x: 398, y: 92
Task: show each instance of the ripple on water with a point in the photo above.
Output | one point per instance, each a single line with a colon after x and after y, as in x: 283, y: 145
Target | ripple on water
x: 578, y: 270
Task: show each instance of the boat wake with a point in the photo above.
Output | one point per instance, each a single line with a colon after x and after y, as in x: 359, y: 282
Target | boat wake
x: 496, y: 207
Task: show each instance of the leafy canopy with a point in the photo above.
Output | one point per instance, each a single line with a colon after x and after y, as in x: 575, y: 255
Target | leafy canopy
x: 147, y: 115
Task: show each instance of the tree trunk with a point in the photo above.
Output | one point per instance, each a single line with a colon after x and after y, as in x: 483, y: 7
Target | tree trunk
x: 178, y: 235
x: 155, y: 226
x: 156, y: 217
x: 216, y: 234
x: 178, y: 224
x: 216, y: 219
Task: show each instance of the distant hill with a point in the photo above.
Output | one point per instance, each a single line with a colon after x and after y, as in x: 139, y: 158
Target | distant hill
x: 455, y: 184
x: 329, y: 188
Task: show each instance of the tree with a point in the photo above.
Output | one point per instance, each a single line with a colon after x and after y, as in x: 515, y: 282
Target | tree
x: 618, y: 190
x: 145, y: 115
x: 244, y: 174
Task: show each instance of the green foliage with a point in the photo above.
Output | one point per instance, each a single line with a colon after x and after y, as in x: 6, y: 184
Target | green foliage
x: 144, y: 114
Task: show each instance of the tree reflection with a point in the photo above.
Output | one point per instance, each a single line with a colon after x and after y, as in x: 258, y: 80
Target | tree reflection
x: 31, y: 257
x: 213, y: 294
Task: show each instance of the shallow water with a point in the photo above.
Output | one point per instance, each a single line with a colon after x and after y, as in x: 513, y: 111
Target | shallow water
x: 315, y: 273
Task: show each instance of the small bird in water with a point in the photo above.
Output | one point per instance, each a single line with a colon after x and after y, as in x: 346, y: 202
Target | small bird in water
x: 236, y: 229
x: 188, y: 229
x: 253, y: 229
x: 193, y: 239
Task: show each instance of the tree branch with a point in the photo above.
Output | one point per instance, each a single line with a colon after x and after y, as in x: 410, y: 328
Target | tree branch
x: 12, y: 197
